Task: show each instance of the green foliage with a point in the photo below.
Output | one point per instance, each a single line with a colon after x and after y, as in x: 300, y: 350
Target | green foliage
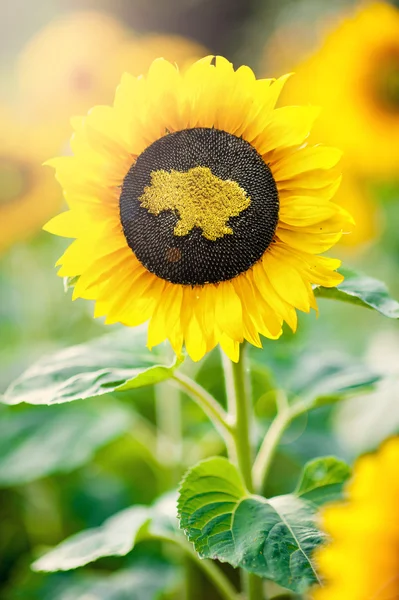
x: 128, y: 457
x: 364, y: 291
x: 141, y: 582
x: 36, y: 442
x: 329, y: 378
x: 115, y: 537
x: 317, y: 379
x: 113, y: 362
x: 273, y: 538
x: 322, y: 480
x: 70, y: 282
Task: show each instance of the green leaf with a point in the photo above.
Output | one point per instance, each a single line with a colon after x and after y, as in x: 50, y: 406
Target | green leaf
x: 363, y: 423
x: 273, y: 538
x: 115, y: 537
x: 36, y: 442
x: 322, y: 480
x: 362, y: 290
x: 141, y: 582
x: 330, y: 378
x: 115, y: 362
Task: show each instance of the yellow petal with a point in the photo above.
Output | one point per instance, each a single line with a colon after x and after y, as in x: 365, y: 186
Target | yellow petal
x: 195, y: 342
x: 126, y: 300
x: 67, y: 224
x: 106, y: 130
x: 288, y: 126
x: 282, y: 308
x: 229, y: 311
x: 165, y: 89
x: 230, y: 347
x: 320, y: 270
x: 268, y: 321
x: 173, y: 301
x: 287, y: 281
x: 308, y: 242
x: 75, y: 260
x: 245, y: 293
x: 100, y: 271
x: 309, y: 158
x: 300, y: 211
x: 157, y: 331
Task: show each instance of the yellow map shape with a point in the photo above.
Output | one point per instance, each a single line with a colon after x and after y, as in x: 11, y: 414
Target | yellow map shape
x: 200, y: 199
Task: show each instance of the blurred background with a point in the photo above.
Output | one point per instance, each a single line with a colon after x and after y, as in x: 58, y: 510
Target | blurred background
x: 57, y: 59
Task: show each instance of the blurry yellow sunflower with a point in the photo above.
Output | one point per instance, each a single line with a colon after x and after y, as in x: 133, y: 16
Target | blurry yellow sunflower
x: 136, y: 55
x: 78, y: 59
x: 354, y: 77
x: 354, y: 195
x: 198, y: 206
x: 362, y: 560
x: 64, y: 69
x: 28, y: 197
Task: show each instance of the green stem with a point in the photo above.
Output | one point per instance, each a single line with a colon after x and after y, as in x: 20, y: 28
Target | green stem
x: 209, y: 567
x: 240, y: 408
x: 209, y: 405
x: 271, y: 440
x: 169, y: 435
x: 242, y: 421
x: 193, y: 580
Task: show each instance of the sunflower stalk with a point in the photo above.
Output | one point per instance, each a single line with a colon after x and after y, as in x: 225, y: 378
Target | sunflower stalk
x: 209, y: 567
x: 240, y: 411
x: 285, y: 415
x: 169, y: 441
x: 211, y: 407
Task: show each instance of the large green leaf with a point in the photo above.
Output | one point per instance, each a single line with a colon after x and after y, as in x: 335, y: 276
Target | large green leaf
x: 318, y: 378
x: 115, y: 537
x: 115, y: 362
x: 273, y: 538
x: 364, y: 422
x: 141, y: 582
x: 362, y: 290
x: 40, y: 441
x: 322, y: 480
x: 329, y: 378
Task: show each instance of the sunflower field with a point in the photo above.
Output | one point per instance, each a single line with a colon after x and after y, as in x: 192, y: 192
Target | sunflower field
x: 199, y: 257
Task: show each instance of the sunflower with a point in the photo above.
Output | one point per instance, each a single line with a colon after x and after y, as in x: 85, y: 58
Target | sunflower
x: 354, y: 77
x: 28, y: 196
x: 78, y: 59
x: 362, y: 560
x: 64, y: 68
x: 198, y: 206
x: 354, y: 195
x: 137, y: 53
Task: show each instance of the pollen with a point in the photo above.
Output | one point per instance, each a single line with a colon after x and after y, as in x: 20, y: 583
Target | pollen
x: 199, y: 198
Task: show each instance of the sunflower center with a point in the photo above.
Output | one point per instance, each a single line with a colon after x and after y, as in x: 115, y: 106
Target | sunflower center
x: 81, y: 80
x: 199, y: 206
x: 12, y: 181
x: 387, y: 82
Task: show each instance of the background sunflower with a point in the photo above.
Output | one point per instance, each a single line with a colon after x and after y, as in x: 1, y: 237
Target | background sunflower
x: 27, y: 193
x: 78, y: 59
x: 364, y: 532
x: 350, y: 70
x: 354, y: 72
